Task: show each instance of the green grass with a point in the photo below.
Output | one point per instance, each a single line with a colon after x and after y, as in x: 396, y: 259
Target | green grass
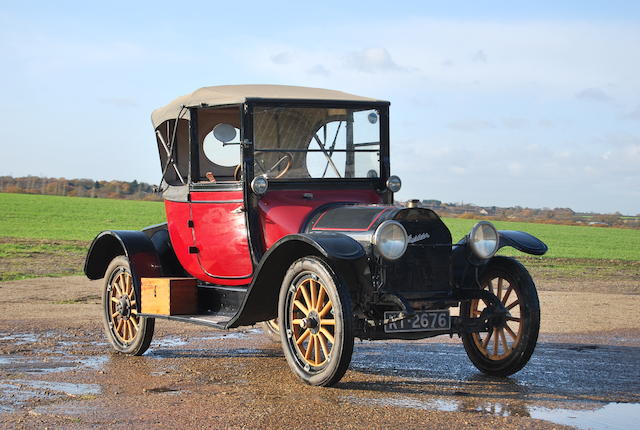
x: 49, y: 235
x: 21, y: 249
x: 72, y: 218
x: 566, y: 241
x: 80, y: 219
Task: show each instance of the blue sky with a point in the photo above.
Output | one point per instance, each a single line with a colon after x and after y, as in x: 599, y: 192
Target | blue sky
x: 493, y: 103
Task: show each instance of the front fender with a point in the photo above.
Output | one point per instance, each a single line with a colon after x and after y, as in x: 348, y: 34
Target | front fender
x: 522, y: 241
x: 465, y: 265
x: 261, y: 300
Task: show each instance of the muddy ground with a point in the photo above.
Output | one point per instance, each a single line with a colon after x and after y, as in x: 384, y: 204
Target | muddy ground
x: 57, y: 371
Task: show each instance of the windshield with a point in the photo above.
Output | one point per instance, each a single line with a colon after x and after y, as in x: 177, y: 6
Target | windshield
x: 302, y: 143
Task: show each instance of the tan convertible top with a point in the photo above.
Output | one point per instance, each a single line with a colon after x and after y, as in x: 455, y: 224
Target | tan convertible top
x: 238, y: 94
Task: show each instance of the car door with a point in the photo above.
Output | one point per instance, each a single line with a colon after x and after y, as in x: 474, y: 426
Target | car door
x: 220, y: 235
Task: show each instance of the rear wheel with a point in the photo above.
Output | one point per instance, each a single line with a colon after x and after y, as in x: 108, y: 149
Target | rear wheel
x: 314, y: 315
x: 127, y: 332
x: 509, y: 343
x: 271, y: 329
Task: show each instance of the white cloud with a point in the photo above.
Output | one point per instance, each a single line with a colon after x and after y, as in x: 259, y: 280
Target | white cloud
x: 372, y: 60
x: 479, y: 57
x: 634, y: 114
x: 593, y: 94
x: 318, y: 69
x: 121, y: 102
x: 515, y: 123
x: 470, y: 125
x: 515, y: 168
x: 544, y: 58
x: 281, y: 58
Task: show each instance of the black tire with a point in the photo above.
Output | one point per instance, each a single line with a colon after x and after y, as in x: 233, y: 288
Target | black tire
x: 503, y: 277
x: 317, y: 343
x: 271, y: 329
x: 127, y: 332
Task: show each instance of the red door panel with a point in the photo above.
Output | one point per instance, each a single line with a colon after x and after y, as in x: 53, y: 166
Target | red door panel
x: 217, y: 234
x: 178, y: 216
x: 221, y: 236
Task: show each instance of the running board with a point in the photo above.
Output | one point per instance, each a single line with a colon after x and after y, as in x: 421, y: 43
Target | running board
x: 218, y: 321
x: 187, y: 300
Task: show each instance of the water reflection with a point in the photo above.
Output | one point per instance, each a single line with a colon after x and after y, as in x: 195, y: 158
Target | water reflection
x: 584, y: 386
x: 596, y: 416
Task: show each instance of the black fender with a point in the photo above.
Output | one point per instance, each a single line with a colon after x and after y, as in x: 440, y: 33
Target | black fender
x: 522, y: 241
x: 466, y: 267
x: 149, y: 252
x: 261, y: 301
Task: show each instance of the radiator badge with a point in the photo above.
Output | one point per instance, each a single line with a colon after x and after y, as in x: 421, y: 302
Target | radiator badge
x: 417, y: 237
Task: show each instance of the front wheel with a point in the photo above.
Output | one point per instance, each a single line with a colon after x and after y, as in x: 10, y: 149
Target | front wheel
x: 127, y: 332
x: 509, y: 343
x: 316, y: 327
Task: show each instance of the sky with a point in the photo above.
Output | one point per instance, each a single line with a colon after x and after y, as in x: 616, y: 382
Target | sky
x: 535, y: 104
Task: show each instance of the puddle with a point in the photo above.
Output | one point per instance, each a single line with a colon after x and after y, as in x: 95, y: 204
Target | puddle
x: 611, y: 416
x: 68, y: 343
x: 94, y: 363
x: 170, y: 341
x: 167, y: 342
x: 218, y: 335
x: 162, y: 390
x: 232, y: 335
x: 405, y: 402
x: 553, y: 386
x: 19, y: 339
x: 209, y: 353
x: 592, y: 416
x: 61, y: 387
x: 562, y: 369
x: 17, y: 392
x: 47, y: 365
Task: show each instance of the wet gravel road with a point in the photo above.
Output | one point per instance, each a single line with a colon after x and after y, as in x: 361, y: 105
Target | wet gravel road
x: 57, y: 372
x: 203, y: 379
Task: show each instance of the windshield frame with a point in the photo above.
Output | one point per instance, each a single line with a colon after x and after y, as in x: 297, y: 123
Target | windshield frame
x: 249, y: 147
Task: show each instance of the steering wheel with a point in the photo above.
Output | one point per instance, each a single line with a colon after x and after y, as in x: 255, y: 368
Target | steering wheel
x: 267, y: 172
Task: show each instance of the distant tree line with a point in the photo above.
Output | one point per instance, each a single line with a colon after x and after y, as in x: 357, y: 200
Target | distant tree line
x: 563, y: 216
x: 133, y: 190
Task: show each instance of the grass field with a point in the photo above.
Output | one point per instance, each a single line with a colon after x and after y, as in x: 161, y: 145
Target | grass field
x: 48, y: 227
x: 49, y: 235
x: 72, y: 218
x: 566, y: 241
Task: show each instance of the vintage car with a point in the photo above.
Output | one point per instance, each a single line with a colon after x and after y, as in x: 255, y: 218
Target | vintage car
x: 280, y: 209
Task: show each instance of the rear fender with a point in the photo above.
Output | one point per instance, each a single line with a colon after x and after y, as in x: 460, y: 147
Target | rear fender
x: 135, y: 245
x: 343, y: 253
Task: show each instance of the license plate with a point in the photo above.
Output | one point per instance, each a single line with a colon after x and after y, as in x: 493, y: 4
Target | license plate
x: 421, y: 321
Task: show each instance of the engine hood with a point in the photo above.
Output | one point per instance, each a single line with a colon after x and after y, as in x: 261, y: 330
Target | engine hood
x: 423, y: 226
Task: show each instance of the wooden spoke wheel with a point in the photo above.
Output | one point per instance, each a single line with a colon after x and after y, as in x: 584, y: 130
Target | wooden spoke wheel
x: 311, y: 315
x: 315, y: 322
x: 508, y: 344
x: 127, y: 332
x: 498, y: 343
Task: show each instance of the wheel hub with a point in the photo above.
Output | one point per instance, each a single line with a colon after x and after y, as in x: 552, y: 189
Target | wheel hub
x: 312, y: 322
x: 124, y: 307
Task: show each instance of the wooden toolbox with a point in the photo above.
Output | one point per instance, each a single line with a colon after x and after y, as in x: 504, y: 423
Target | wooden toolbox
x: 169, y: 296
